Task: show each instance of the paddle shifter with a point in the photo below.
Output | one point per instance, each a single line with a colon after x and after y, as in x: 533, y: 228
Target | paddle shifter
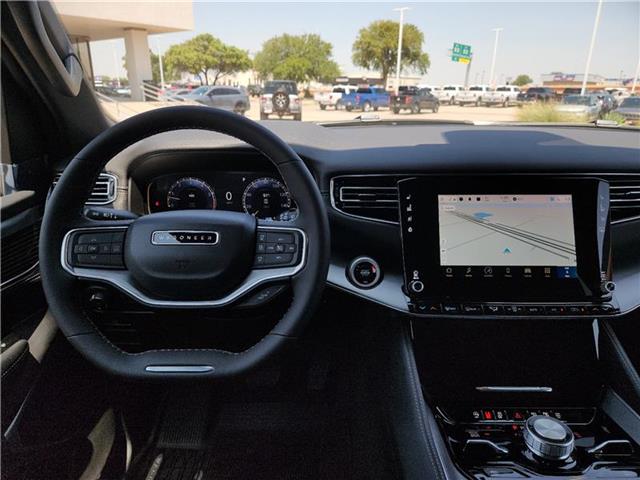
x: 548, y: 438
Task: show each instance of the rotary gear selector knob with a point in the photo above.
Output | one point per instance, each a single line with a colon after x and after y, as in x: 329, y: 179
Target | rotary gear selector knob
x: 548, y: 438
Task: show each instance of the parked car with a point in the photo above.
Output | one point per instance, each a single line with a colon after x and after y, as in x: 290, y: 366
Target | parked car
x: 630, y: 109
x: 430, y: 88
x: 585, y: 107
x: 366, y: 99
x: 571, y: 91
x: 178, y: 92
x: 227, y: 98
x: 473, y: 95
x: 619, y: 93
x: 414, y: 100
x: 504, y: 95
x: 449, y: 93
x: 333, y: 98
x: 280, y: 97
x: 537, y: 94
x: 107, y: 90
x: 254, y: 90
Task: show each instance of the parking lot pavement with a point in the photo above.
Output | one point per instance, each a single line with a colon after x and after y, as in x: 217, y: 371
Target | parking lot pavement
x: 312, y: 113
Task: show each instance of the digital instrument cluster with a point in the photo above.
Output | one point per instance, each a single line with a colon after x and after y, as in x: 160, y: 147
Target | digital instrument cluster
x: 259, y: 194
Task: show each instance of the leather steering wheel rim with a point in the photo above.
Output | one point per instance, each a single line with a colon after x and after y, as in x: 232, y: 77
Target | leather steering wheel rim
x: 64, y: 212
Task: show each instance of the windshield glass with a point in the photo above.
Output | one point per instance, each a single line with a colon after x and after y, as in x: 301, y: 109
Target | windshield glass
x: 578, y: 100
x: 310, y: 50
x: 272, y: 87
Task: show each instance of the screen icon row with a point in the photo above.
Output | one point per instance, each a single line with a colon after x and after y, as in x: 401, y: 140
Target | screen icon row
x: 489, y: 271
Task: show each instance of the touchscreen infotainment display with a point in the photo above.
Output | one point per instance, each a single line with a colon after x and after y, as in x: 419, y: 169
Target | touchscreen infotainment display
x: 504, y: 238
x: 507, y: 230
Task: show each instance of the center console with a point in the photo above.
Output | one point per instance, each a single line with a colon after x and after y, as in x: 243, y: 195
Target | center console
x: 521, y: 442
x: 505, y: 246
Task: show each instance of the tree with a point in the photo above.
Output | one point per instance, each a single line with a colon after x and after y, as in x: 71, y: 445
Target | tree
x: 376, y: 48
x: 300, y: 58
x: 522, y: 80
x: 205, y: 54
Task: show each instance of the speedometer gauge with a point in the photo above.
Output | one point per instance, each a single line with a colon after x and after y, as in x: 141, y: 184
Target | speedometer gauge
x: 268, y: 199
x: 190, y: 193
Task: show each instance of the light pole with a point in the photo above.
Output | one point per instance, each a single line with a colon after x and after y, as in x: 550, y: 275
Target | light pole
x: 495, y: 51
x: 593, y: 42
x: 401, y: 10
x: 635, y: 79
x: 160, y: 64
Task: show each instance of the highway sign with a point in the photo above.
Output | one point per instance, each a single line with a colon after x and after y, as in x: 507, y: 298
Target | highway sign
x: 461, y: 53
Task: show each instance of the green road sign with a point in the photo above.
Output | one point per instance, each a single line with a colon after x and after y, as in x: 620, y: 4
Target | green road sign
x: 461, y: 53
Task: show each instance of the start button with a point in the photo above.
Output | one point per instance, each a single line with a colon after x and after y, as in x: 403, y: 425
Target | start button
x: 364, y: 272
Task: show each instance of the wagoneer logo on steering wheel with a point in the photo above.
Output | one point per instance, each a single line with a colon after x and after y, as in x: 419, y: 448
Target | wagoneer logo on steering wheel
x: 184, y: 237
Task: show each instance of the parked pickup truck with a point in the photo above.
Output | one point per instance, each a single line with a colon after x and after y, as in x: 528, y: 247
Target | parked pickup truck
x: 537, y: 94
x: 333, y: 98
x: 414, y: 99
x: 448, y: 93
x: 504, y: 95
x: 365, y: 99
x: 473, y: 95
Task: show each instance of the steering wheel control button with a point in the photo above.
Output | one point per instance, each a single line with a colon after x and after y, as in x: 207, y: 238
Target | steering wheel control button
x: 364, y: 272
x: 97, y: 250
x: 277, y: 249
x: 548, y: 438
x: 280, y: 237
x: 94, y: 238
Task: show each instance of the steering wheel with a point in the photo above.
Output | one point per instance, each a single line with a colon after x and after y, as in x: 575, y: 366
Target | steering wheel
x: 181, y: 259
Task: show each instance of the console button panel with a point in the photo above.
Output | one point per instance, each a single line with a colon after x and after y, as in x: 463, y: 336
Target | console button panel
x: 512, y: 310
x: 487, y: 442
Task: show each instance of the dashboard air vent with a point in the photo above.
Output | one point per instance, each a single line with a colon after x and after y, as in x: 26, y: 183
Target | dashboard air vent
x: 373, y: 197
x: 624, y: 191
x: 104, y: 190
x: 19, y: 253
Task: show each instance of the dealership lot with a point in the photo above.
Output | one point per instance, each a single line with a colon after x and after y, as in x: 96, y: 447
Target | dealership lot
x: 311, y: 113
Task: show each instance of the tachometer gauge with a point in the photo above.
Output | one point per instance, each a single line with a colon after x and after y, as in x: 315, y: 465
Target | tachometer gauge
x: 268, y: 199
x: 190, y: 193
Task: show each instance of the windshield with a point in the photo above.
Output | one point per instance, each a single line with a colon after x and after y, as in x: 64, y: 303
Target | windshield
x: 200, y: 91
x: 578, y: 100
x: 310, y: 50
x: 272, y: 87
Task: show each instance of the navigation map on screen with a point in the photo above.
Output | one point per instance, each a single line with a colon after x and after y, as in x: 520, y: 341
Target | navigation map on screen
x: 506, y: 230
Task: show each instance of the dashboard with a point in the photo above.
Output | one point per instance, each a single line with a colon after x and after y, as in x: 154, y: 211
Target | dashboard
x: 590, y: 268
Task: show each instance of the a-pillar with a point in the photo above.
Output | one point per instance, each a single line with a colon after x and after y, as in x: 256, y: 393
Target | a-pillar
x: 138, y: 61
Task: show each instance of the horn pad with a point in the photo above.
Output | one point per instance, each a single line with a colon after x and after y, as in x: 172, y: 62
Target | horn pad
x: 190, y: 254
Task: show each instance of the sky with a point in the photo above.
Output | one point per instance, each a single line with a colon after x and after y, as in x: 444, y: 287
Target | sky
x: 537, y: 37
